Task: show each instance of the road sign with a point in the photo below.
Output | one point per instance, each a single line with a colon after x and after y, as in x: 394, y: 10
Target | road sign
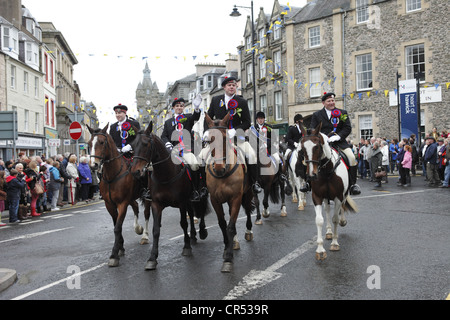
x: 75, y: 130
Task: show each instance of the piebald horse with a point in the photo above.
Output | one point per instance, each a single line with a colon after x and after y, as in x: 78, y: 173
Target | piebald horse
x: 329, y: 182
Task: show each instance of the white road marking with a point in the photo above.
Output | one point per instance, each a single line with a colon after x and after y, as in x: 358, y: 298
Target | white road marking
x: 256, y: 279
x: 33, y: 235
x: 25, y: 295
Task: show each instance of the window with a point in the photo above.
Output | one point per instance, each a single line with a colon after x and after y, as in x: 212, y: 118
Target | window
x: 13, y: 77
x: 262, y: 68
x: 36, y: 123
x: 36, y: 87
x: 364, y: 71
x: 263, y: 104
x: 46, y: 66
x: 25, y: 82
x: 10, y: 39
x: 314, y: 80
x: 413, y: 5
x: 314, y: 37
x: 262, y: 38
x: 278, y: 105
x: 200, y: 85
x: 365, y: 127
x: 277, y: 61
x: 52, y: 103
x: 250, y: 107
x: 209, y: 82
x: 248, y: 43
x: 47, y: 111
x: 362, y: 11
x: 277, y: 31
x: 415, y: 61
x: 27, y: 120
x: 249, y: 73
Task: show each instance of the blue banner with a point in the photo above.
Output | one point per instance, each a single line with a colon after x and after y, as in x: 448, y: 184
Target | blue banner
x: 408, y: 109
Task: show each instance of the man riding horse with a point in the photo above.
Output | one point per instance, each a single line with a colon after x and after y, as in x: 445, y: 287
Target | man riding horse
x: 336, y: 125
x: 240, y: 121
x: 122, y: 131
x: 173, y: 136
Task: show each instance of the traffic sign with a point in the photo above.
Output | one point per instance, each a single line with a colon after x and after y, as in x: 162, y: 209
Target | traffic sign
x: 75, y: 130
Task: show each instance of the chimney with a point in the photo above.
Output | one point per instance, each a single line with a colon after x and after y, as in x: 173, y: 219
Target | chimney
x: 11, y: 10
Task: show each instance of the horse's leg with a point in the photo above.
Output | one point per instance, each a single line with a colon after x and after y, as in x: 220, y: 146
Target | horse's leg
x: 266, y: 211
x: 258, y: 213
x: 118, y: 249
x: 231, y: 234
x: 320, y: 251
x: 187, y: 250
x: 157, y: 213
x: 144, y: 239
x: 247, y: 205
x: 292, y: 179
x: 191, y: 214
x: 283, y: 205
x: 137, y: 227
x: 328, y: 233
x: 337, y: 208
x: 301, y: 195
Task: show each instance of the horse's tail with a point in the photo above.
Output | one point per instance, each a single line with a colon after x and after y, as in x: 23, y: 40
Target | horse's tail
x: 248, y: 203
x: 350, y: 205
x: 275, y: 192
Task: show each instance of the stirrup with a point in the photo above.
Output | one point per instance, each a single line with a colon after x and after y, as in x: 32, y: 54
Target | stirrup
x: 305, y: 187
x: 283, y: 177
x: 203, y: 192
x: 355, y: 190
x: 195, y: 196
x: 256, y: 188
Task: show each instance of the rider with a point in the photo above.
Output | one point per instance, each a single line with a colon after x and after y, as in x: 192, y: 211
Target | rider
x: 294, y: 135
x: 218, y: 109
x: 122, y: 131
x: 172, y: 136
x: 264, y: 132
x: 336, y: 125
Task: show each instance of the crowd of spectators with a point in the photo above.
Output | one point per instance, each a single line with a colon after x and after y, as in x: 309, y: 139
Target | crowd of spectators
x: 33, y: 185
x: 405, y: 157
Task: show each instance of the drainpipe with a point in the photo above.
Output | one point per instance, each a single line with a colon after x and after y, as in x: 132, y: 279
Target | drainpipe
x: 343, y: 59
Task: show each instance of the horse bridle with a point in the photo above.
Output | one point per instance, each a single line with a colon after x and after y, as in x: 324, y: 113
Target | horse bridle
x: 228, y: 172
x: 323, y: 166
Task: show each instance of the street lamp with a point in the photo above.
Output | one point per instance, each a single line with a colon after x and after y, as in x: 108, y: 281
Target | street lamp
x: 236, y: 13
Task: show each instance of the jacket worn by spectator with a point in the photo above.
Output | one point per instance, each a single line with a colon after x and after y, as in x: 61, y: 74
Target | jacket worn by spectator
x: 14, y: 187
x: 85, y: 173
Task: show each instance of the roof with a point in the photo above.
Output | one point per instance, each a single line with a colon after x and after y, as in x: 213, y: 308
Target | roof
x: 319, y: 9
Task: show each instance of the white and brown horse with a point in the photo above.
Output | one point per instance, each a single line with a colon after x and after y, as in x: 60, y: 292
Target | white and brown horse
x: 329, y: 182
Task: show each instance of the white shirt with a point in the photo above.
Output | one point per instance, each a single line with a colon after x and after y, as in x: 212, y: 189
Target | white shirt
x: 227, y: 99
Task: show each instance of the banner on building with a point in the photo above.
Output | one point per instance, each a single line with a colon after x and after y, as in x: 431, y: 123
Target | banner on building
x: 408, y: 108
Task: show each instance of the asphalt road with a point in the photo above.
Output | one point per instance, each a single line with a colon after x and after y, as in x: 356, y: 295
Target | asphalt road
x: 396, y: 247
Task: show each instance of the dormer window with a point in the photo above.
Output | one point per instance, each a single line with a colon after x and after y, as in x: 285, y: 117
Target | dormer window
x: 10, y: 40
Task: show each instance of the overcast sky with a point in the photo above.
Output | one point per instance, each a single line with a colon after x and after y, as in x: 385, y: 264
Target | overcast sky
x: 111, y: 39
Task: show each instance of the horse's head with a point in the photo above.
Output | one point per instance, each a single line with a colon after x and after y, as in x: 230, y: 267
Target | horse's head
x: 143, y: 148
x: 313, y: 147
x: 100, y: 146
x: 218, y: 142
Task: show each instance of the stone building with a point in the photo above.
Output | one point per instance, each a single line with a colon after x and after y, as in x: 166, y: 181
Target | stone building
x: 355, y: 48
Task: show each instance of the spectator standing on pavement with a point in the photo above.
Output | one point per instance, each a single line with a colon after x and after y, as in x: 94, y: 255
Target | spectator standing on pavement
x: 13, y: 194
x: 446, y: 164
x: 55, y: 184
x: 406, y: 165
x: 2, y: 196
x: 72, y: 171
x: 85, y: 178
x: 385, y: 159
x: 431, y: 159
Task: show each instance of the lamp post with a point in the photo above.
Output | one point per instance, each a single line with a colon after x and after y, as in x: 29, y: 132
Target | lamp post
x: 235, y: 13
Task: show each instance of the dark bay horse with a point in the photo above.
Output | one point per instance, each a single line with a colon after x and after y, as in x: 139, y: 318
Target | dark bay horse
x: 118, y: 188
x: 329, y: 181
x: 227, y: 183
x: 273, y: 186
x: 170, y: 186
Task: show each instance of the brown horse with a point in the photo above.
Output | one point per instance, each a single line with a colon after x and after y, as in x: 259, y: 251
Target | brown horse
x: 227, y: 183
x: 329, y: 181
x: 118, y: 188
x: 170, y: 186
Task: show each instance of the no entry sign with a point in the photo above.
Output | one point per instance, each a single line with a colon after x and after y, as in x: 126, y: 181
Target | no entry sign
x: 75, y: 130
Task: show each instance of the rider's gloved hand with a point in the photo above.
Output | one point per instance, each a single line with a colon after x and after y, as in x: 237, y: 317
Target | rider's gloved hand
x: 127, y: 148
x: 169, y: 145
x: 197, y: 102
x: 334, y: 138
x: 231, y: 133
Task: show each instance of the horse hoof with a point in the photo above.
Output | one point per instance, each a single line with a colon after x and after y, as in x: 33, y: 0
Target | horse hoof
x: 113, y: 262
x: 236, y: 245
x: 227, y: 267
x: 294, y: 200
x: 139, y: 230
x: 329, y: 236
x: 144, y: 241
x: 121, y: 252
x: 150, y: 265
x: 187, y: 252
x: 343, y: 223
x: 283, y: 212
x: 203, y: 234
x: 258, y: 222
x: 249, y: 235
x: 301, y: 207
x: 321, y: 256
x: 266, y: 214
x: 335, y: 247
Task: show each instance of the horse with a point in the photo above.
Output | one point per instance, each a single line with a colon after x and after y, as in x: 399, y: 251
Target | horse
x: 228, y: 182
x: 329, y: 181
x: 170, y: 186
x: 118, y: 188
x: 295, y: 180
x: 273, y: 187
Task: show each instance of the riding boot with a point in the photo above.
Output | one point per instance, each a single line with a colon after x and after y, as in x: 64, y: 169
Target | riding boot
x: 253, y: 174
x: 203, y: 190
x: 353, y: 175
x: 195, y: 195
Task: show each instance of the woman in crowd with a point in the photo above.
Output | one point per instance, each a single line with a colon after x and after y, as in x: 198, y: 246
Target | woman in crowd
x: 32, y: 178
x: 85, y: 178
x: 72, y: 171
x: 406, y: 164
x: 2, y: 196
